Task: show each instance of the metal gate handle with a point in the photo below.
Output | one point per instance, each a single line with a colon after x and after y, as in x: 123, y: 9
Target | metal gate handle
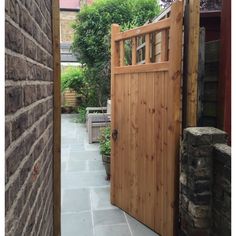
x: 114, y: 134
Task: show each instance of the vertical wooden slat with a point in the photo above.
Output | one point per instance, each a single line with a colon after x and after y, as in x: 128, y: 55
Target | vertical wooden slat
x: 224, y: 91
x: 134, y: 51
x: 150, y: 154
x: 164, y: 45
x: 173, y: 118
x: 147, y: 48
x: 122, y: 53
x: 126, y: 144
x: 56, y: 120
x: 134, y: 114
x: 159, y: 127
x: 192, y: 71
x: 141, y: 147
x: 201, y: 71
x: 114, y: 62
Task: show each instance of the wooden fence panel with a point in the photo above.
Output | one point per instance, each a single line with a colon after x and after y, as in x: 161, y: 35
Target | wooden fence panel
x: 146, y: 115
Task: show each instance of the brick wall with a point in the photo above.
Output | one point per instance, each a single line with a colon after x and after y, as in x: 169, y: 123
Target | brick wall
x: 29, y: 117
x: 204, y: 182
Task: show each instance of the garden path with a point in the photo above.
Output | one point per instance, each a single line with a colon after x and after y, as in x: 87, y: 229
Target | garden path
x: 85, y: 206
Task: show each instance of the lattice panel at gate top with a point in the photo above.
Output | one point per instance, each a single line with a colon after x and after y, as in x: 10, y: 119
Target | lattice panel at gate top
x: 147, y: 45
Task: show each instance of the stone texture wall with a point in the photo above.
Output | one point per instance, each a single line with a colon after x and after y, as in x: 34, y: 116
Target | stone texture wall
x: 199, y: 181
x: 221, y: 191
x: 29, y: 118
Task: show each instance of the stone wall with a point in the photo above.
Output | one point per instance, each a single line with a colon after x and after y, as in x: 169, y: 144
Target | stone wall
x: 29, y: 118
x: 199, y: 178
x: 221, y: 191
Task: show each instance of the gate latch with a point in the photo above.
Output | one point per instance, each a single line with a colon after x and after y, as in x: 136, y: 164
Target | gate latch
x: 114, y: 134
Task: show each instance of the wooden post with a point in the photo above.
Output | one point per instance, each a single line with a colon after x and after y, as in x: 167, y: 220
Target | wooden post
x: 224, y: 91
x: 134, y: 51
x: 115, y: 29
x: 173, y: 120
x: 122, y: 53
x: 192, y: 57
x: 56, y: 120
x: 147, y: 48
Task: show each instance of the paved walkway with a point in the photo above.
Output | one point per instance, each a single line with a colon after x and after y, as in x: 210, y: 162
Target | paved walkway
x: 86, y: 208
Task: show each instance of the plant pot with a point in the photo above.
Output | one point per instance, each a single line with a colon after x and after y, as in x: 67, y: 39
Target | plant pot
x: 106, y: 163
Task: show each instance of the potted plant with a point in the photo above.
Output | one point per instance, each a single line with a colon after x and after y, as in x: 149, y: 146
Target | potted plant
x: 105, y: 148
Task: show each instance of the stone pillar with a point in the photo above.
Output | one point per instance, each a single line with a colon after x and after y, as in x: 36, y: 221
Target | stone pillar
x: 196, y: 172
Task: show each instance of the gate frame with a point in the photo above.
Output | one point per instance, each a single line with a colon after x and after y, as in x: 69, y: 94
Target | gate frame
x: 174, y: 65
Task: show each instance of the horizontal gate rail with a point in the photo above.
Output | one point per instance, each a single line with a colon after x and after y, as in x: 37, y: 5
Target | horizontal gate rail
x: 152, y: 67
x: 158, y: 26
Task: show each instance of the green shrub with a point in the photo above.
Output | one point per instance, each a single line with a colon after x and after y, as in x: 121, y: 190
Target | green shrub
x: 78, y: 80
x: 72, y: 78
x: 105, y: 141
x: 81, y: 115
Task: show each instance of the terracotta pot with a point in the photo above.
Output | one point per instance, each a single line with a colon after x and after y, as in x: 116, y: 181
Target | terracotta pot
x: 106, y: 162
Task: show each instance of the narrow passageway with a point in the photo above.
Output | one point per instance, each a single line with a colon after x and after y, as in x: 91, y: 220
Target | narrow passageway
x: 86, y: 208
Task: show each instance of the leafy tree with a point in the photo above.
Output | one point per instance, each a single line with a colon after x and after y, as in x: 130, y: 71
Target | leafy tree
x: 92, y: 35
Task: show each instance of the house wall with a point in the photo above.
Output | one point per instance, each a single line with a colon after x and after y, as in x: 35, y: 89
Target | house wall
x: 67, y: 18
x: 84, y: 3
x: 28, y: 118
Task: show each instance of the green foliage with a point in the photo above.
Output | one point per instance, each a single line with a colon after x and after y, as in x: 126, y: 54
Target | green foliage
x: 72, y: 78
x: 105, y: 141
x: 78, y: 79
x: 92, y: 36
x: 82, y: 115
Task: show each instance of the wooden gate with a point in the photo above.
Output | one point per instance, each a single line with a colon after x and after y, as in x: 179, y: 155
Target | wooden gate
x: 146, y: 122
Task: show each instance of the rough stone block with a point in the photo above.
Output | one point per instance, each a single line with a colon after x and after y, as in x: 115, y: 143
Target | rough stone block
x: 26, y: 22
x: 200, y: 198
x: 199, y: 211
x: 13, y: 98
x: 30, y: 48
x: 199, y: 186
x: 19, y: 125
x: 30, y: 6
x: 204, y: 135
x: 16, y: 68
x: 222, y: 153
x: 200, y: 162
x: 184, y: 202
x: 38, y: 16
x: 13, y: 38
x: 37, y: 34
x: 13, y: 10
x: 7, y: 134
x: 200, y: 173
x: 30, y: 94
x: 200, y: 151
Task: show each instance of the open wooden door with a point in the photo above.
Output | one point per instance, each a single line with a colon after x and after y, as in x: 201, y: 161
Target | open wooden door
x: 146, y: 124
